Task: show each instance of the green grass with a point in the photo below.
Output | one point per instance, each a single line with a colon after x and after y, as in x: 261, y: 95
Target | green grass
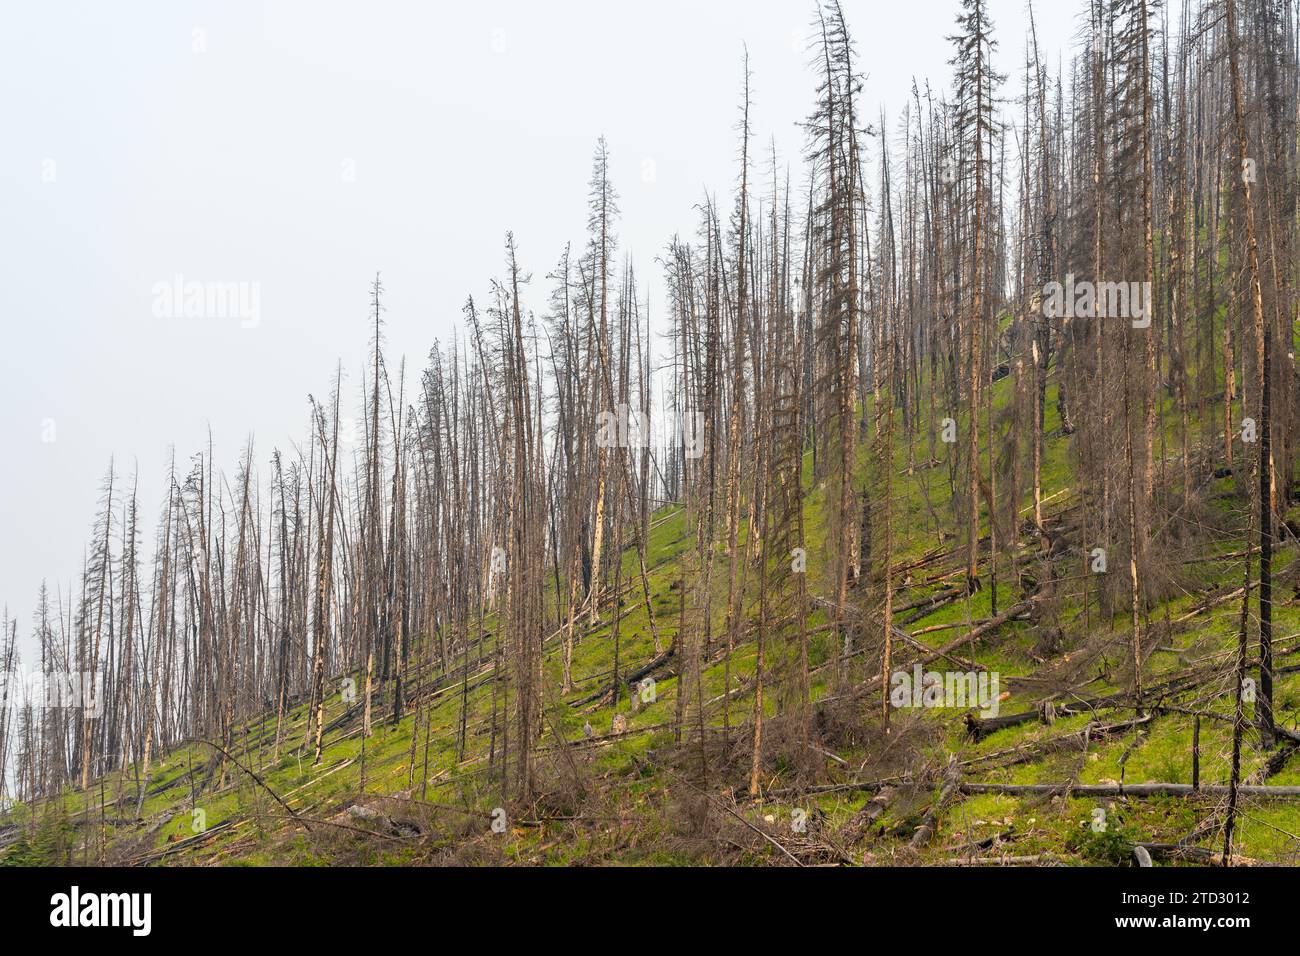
x: 633, y: 803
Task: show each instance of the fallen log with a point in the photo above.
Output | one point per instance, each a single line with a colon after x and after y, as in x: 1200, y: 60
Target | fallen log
x: 1038, y: 859
x: 987, y: 843
x: 1129, y: 790
x: 951, y: 782
x: 631, y: 677
x: 851, y: 787
x: 1277, y: 762
x: 979, y: 727
x: 182, y: 845
x: 974, y: 634
x: 1194, y: 854
x: 1038, y: 748
x: 1213, y: 602
x: 924, y: 607
x: 852, y: 832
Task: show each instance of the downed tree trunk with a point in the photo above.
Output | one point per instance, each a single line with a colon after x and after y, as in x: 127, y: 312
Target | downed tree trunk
x: 979, y: 727
x: 1129, y: 790
x: 1038, y: 748
x: 1038, y: 859
x: 924, y: 607
x: 951, y: 783
x: 857, y: 825
x: 182, y: 845
x: 974, y: 634
x: 1213, y: 602
x: 1277, y: 762
x: 630, y: 678
x: 1195, y: 854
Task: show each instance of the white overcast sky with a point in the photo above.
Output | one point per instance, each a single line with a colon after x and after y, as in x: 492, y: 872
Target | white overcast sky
x: 459, y: 120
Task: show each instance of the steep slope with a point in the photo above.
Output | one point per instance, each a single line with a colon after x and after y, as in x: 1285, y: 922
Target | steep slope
x: 619, y: 787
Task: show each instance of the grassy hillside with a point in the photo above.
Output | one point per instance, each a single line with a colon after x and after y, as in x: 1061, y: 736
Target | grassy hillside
x: 634, y: 796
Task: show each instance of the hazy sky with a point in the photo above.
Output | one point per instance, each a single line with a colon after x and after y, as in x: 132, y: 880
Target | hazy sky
x: 298, y: 147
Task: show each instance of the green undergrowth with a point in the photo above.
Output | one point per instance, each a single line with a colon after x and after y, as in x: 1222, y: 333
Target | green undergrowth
x: 635, y: 798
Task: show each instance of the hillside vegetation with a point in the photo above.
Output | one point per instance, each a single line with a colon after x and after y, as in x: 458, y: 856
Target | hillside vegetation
x: 965, y: 532
x: 637, y: 795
